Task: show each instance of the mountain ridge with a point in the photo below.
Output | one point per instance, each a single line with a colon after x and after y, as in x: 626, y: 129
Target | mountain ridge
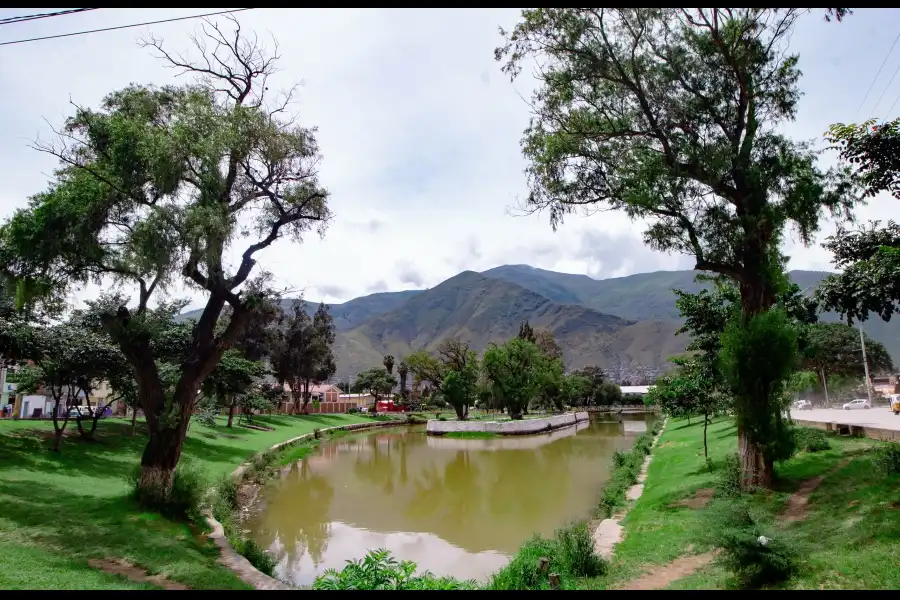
x: 625, y: 324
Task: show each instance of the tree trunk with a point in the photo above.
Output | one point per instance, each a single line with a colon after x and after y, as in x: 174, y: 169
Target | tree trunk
x: 705, y: 447
x: 756, y: 298
x: 133, y: 420
x: 161, y: 457
x: 305, y: 410
x: 375, y: 407
x: 231, y: 406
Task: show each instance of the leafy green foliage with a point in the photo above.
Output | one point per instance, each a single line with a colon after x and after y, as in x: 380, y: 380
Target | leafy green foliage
x: 755, y: 559
x: 152, y: 188
x: 380, y: 571
x: 376, y: 382
x: 834, y: 349
x: 256, y: 555
x: 763, y: 350
x: 869, y: 282
x: 571, y: 555
x: 811, y: 440
x: 183, y: 501
x: 516, y: 370
x: 874, y: 152
x: 887, y: 459
x: 672, y: 115
x: 626, y: 468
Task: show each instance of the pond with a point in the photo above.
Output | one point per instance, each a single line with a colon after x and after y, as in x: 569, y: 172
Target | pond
x: 457, y: 507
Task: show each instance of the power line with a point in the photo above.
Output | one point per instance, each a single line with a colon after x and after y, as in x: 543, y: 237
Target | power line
x: 880, y: 98
x: 888, y: 113
x: 23, y: 18
x: 62, y: 35
x: 874, y: 79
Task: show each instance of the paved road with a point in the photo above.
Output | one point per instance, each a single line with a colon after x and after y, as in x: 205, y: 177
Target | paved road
x: 875, y: 417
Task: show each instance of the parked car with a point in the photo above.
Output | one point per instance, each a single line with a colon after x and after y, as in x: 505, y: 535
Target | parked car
x: 803, y: 405
x: 895, y: 403
x: 859, y: 403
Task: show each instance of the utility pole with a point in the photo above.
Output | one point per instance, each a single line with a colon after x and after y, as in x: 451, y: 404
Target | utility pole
x: 825, y: 385
x: 862, y: 342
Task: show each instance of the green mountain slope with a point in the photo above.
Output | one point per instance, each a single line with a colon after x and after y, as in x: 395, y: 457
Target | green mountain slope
x: 481, y: 310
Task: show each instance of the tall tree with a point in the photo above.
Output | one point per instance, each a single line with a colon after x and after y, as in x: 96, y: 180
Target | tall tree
x: 388, y: 363
x: 671, y: 115
x: 290, y: 350
x: 376, y: 382
x: 232, y: 380
x: 320, y: 364
x: 516, y: 372
x: 403, y: 372
x: 835, y: 349
x: 547, y: 344
x: 151, y: 190
x: 526, y: 332
x: 461, y: 369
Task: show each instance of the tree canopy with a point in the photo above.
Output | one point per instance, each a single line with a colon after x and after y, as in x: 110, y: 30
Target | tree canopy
x: 672, y: 115
x: 152, y: 188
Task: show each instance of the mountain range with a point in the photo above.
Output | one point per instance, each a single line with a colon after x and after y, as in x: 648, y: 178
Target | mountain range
x: 626, y: 325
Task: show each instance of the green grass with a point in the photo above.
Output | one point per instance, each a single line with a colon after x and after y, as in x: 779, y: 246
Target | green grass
x: 848, y: 540
x: 59, y: 511
x: 472, y: 435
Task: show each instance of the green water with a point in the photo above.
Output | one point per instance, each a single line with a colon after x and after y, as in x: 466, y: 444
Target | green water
x: 456, y: 507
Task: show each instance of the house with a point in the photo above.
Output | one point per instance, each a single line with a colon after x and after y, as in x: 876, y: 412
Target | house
x: 323, y: 398
x: 885, y: 385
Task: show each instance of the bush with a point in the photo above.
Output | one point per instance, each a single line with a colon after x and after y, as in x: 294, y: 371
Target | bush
x: 626, y: 469
x: 184, y: 500
x: 571, y: 554
x: 352, y: 410
x: 753, y: 558
x: 728, y: 483
x: 380, y: 571
x: 887, y: 459
x: 811, y: 440
x: 254, y: 553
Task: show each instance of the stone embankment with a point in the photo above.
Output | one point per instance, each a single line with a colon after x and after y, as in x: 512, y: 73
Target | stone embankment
x: 520, y: 427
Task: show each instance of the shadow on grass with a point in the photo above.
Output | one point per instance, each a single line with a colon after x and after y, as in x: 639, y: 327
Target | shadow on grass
x: 111, y: 455
x: 83, y: 527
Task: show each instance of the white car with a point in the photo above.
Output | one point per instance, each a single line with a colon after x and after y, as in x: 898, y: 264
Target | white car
x: 857, y: 404
x: 803, y: 405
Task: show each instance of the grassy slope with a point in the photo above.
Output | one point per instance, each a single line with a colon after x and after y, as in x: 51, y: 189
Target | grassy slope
x: 850, y: 535
x: 56, y: 512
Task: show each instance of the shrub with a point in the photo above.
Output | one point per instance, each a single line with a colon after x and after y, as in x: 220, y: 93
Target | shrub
x: 189, y: 488
x: 442, y: 418
x: 352, y: 410
x: 255, y: 554
x: 619, y: 458
x: 571, y: 554
x: 811, y: 440
x: 728, y: 483
x: 575, y: 551
x: 887, y: 459
x: 380, y: 571
x: 753, y: 558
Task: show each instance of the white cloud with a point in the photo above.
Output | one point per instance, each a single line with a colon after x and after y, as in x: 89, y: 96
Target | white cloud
x: 418, y: 127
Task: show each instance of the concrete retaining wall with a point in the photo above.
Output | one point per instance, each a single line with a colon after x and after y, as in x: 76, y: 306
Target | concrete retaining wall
x: 875, y: 433
x: 523, y: 427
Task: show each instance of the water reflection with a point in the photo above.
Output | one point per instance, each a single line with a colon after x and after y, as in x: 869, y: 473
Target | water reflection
x: 456, y: 507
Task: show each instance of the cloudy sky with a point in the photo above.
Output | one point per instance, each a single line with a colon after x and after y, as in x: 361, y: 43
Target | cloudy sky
x: 419, y: 130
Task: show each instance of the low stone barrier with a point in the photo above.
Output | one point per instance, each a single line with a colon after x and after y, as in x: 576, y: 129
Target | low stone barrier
x: 521, y: 427
x: 237, y: 563
x: 874, y: 433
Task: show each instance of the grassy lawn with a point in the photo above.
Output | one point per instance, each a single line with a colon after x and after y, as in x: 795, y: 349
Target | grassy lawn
x: 848, y: 540
x: 59, y: 511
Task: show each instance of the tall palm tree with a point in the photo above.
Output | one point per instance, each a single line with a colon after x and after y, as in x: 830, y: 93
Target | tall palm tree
x: 403, y: 371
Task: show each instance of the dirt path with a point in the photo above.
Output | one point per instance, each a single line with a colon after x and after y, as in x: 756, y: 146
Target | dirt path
x: 662, y: 576
x: 797, y: 507
x: 118, y: 566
